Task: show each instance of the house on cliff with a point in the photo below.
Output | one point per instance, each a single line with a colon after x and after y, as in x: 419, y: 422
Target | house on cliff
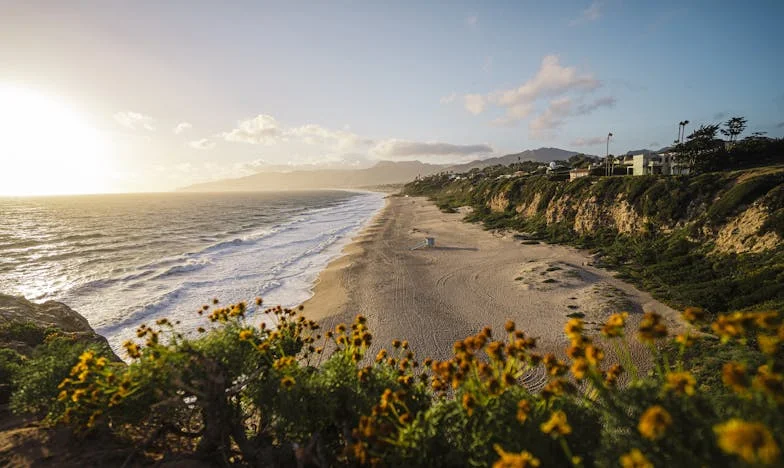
x: 654, y: 164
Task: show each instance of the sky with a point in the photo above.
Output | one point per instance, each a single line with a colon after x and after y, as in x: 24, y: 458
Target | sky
x: 123, y: 96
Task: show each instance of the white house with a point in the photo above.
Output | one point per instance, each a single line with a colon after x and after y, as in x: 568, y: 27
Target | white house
x: 654, y: 164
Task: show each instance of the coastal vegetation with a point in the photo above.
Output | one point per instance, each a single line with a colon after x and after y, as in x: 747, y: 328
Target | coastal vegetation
x: 711, y: 240
x: 293, y: 394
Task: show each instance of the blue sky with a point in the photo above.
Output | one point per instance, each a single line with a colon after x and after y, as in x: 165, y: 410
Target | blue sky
x: 261, y: 84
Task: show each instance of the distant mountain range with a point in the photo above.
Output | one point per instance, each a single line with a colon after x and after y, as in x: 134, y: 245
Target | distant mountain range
x: 383, y: 173
x: 544, y: 155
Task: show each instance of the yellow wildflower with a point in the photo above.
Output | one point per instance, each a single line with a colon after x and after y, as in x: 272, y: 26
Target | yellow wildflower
x: 654, y: 422
x: 523, y: 410
x: 246, y: 334
x: 557, y: 424
x: 469, y: 403
x: 728, y: 327
x: 734, y: 376
x: 615, y: 325
x: 682, y: 383
x: 573, y: 328
x: 514, y: 460
x: 693, y: 314
x: 635, y: 459
x: 768, y: 344
x: 594, y: 355
x: 579, y: 368
x: 752, y: 442
x: 767, y: 320
x: 651, y: 327
x: 685, y: 339
x: 770, y: 383
x: 77, y: 394
x: 287, y: 382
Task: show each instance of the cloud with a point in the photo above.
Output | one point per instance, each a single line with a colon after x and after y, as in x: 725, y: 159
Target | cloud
x: 181, y: 127
x: 590, y: 141
x: 655, y: 144
x: 472, y: 21
x: 552, y: 80
x: 474, y: 103
x: 561, y: 108
x: 315, y: 134
x: 203, y: 144
x: 780, y: 125
x: 400, y: 149
x: 585, y: 109
x: 719, y: 115
x: 592, y: 13
x: 552, y: 118
x: 514, y: 114
x: 260, y: 130
x: 135, y: 120
x: 266, y: 130
x: 448, y: 99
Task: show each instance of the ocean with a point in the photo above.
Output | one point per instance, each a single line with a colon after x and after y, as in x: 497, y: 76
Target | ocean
x: 124, y: 260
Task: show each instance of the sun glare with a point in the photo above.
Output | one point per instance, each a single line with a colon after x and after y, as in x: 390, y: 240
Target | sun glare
x: 47, y: 148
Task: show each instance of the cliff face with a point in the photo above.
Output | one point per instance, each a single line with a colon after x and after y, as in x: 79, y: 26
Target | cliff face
x: 735, y: 213
x: 712, y: 240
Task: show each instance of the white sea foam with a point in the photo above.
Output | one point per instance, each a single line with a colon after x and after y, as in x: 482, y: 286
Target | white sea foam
x: 279, y: 263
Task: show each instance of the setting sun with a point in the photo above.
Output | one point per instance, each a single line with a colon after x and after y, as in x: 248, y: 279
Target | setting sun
x: 47, y: 148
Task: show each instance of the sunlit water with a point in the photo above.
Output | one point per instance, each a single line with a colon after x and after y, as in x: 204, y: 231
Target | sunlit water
x: 121, y: 260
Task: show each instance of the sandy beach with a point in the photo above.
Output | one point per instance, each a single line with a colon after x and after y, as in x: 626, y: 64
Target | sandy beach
x: 472, y: 278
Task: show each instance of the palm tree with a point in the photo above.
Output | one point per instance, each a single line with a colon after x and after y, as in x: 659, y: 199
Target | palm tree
x: 684, y: 123
x: 735, y: 126
x: 607, y: 157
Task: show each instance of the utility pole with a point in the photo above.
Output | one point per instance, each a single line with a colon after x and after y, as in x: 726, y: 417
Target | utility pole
x: 607, y: 155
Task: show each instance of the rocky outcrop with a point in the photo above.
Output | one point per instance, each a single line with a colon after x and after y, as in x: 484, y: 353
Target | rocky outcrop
x: 50, y: 314
x: 498, y: 203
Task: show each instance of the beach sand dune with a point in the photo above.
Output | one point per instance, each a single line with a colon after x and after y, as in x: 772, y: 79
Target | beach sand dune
x: 472, y: 278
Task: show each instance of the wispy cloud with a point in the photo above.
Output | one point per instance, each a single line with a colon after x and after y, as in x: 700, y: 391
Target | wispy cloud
x: 565, y: 87
x: 559, y: 110
x: 401, y: 149
x: 474, y: 103
x: 260, y: 130
x: 203, y: 144
x: 182, y: 127
x: 589, y: 141
x: 339, y: 146
x: 135, y: 120
x: 780, y: 125
x: 315, y: 134
x: 472, y: 21
x: 592, y: 13
x: 448, y: 99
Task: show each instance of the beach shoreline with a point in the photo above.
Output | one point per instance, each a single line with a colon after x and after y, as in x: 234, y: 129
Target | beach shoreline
x: 472, y: 278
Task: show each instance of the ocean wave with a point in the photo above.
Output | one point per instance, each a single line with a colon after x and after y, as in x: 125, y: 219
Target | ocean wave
x: 279, y: 261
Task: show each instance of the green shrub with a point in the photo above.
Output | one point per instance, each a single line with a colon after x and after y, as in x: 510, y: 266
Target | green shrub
x: 25, y: 332
x: 742, y: 194
x: 35, y: 382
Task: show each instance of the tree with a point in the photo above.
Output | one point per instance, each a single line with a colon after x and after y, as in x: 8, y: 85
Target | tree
x: 701, y: 149
x: 733, y: 128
